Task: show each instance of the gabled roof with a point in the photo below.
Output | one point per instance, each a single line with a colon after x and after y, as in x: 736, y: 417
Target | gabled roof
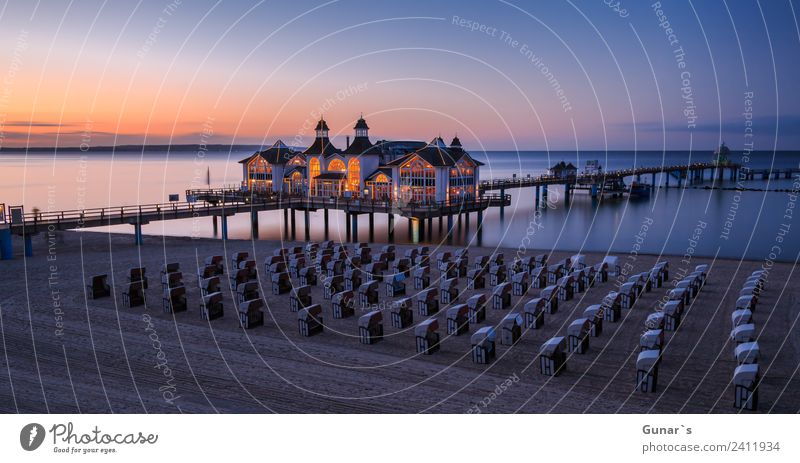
x: 321, y: 145
x: 361, y: 146
x: 563, y: 166
x: 464, y: 154
x: 289, y: 172
x: 277, y: 154
x: 434, y: 153
x: 387, y: 171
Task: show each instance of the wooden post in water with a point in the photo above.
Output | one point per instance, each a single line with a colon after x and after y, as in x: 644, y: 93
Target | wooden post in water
x: 307, y: 225
x: 371, y: 227
x: 293, y: 221
x: 325, y: 215
x: 355, y: 227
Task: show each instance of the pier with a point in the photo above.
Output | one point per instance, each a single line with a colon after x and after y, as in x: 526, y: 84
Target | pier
x: 223, y: 203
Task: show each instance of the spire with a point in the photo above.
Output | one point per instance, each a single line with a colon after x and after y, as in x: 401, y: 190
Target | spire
x: 322, y: 128
x: 456, y: 142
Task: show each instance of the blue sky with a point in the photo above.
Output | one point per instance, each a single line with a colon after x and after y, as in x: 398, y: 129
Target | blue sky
x: 128, y: 72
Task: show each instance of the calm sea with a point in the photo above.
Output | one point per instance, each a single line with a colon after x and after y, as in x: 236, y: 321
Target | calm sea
x: 695, y: 220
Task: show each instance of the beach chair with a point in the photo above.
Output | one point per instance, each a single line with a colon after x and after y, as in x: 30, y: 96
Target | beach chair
x: 133, y: 295
x: 510, y: 329
x: 458, y: 268
x: 241, y: 276
x: 589, y: 277
x: 501, y: 296
x: 745, y: 386
x: 654, y: 321
x: 578, y: 332
x: 211, y: 306
x: 301, y: 297
x: 601, y: 272
x: 171, y: 280
x: 552, y: 358
x: 99, y: 287
x: 332, y: 285
x: 578, y: 282
x: 138, y: 274
x: 428, y: 302
x: 747, y: 352
x: 651, y: 340
x: 403, y: 266
x: 374, y: 270
x: 627, y: 293
x: 647, y: 370
x: 368, y: 294
x: 477, y: 308
x: 743, y: 333
x: 448, y: 291
x: 308, y: 276
x: 396, y: 285
x: 577, y: 262
x: 296, y: 263
x: 277, y: 268
x: 206, y: 272
x: 746, y: 302
x: 458, y: 319
x: 321, y: 263
x: 554, y: 272
x: 481, y: 263
x: 538, y: 277
x: 370, y: 327
x: 390, y: 252
x: 612, y: 303
x: 450, y: 270
x: 335, y: 267
x: 550, y: 296
x: 238, y: 257
x: 594, y: 313
x: 174, y: 300
x: 565, y: 288
x: 461, y: 253
x: 270, y: 263
x: 247, y: 291
x: 521, y: 281
x: 476, y: 278
x: 427, y: 336
x: 673, y: 310
x: 353, y: 279
x: 534, y: 313
x: 171, y: 267
x: 352, y: 263
x: 679, y: 294
x: 422, y: 260
x: 402, y: 313
x: 311, y: 250
x: 612, y: 265
x: 541, y: 260
x: 281, y: 283
x: 483, y: 347
x: 309, y: 320
x: 422, y: 278
x: 411, y: 254
x: 251, y: 313
x: 497, y: 274
x: 442, y: 259
x: 741, y: 317
x: 343, y: 304
x: 218, y: 262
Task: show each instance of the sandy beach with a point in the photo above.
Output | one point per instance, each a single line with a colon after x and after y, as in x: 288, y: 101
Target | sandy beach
x: 64, y: 353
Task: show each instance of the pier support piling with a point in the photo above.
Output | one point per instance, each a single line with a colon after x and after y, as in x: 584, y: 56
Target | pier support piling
x: 371, y: 227
x: 355, y: 227
x: 6, y: 245
x: 653, y: 181
x: 430, y: 229
x: 306, y: 225
x: 538, y: 200
x: 223, y: 218
x: 28, y: 246
x: 254, y: 223
x: 325, y: 216
x: 347, y: 225
x: 391, y: 227
x: 137, y: 234
x: 286, y: 223
x: 293, y: 221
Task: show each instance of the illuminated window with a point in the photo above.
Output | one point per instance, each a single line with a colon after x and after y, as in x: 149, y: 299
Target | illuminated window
x: 353, y: 175
x: 336, y: 166
x: 313, y: 166
x: 418, y: 181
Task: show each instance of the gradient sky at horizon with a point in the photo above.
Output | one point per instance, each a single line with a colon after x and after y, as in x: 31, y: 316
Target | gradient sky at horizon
x: 155, y: 72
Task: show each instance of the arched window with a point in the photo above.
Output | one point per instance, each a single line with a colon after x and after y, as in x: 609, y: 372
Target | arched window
x: 336, y: 166
x: 381, y: 178
x: 313, y: 168
x: 354, y: 175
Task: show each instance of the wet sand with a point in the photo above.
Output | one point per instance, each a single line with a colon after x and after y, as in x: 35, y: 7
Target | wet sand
x: 105, y: 357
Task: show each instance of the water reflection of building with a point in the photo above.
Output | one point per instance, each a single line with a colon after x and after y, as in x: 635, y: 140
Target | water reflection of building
x: 386, y: 170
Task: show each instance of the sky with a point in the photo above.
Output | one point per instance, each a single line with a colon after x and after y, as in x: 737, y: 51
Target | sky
x: 502, y: 75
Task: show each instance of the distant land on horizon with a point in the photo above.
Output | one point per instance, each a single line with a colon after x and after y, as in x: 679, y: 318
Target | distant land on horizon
x: 254, y: 148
